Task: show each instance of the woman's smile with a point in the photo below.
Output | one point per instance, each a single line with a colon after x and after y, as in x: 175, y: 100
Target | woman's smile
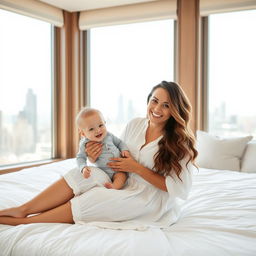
x: 156, y: 115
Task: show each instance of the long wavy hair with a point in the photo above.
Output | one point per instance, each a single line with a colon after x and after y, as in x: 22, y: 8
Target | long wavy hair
x: 178, y: 141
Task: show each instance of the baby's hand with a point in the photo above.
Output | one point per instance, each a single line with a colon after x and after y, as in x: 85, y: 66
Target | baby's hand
x: 86, y: 172
x: 125, y: 153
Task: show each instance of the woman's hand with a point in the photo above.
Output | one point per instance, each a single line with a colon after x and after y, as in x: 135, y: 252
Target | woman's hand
x: 93, y: 150
x: 127, y: 164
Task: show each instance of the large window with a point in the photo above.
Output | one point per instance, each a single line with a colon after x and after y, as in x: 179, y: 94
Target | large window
x: 126, y: 61
x: 232, y: 74
x: 25, y: 89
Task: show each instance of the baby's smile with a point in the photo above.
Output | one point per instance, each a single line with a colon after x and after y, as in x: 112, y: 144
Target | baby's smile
x: 99, y: 135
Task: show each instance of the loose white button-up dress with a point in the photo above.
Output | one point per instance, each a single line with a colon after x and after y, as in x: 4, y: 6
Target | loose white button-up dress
x: 139, y: 204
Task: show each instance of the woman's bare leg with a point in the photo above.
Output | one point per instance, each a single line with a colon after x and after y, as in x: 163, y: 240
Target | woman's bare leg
x: 56, y: 194
x: 60, y: 214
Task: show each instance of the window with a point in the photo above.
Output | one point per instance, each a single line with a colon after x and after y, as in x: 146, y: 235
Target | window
x: 25, y: 89
x: 232, y: 76
x: 126, y: 61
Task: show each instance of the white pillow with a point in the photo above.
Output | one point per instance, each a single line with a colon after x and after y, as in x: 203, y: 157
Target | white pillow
x: 220, y: 153
x: 249, y: 158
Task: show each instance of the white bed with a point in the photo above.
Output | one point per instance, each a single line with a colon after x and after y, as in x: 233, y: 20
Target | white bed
x: 219, y: 218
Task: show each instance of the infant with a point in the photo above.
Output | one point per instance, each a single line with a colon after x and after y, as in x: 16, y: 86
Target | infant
x: 91, y: 125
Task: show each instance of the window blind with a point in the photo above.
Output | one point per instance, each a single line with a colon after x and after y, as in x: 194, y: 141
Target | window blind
x: 208, y: 7
x: 35, y: 9
x: 149, y: 11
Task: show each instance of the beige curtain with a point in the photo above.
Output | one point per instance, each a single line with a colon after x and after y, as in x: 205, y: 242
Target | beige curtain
x: 208, y: 7
x: 35, y: 9
x: 149, y: 11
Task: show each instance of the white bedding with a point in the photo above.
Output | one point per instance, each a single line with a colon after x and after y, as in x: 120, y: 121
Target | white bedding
x: 219, y: 218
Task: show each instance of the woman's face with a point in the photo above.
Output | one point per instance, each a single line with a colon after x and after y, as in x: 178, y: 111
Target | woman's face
x: 159, y: 107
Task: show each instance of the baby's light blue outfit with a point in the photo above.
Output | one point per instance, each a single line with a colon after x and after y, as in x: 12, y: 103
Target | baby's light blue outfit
x: 112, y: 146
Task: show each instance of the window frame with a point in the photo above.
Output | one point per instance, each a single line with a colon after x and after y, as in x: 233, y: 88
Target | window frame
x: 17, y: 166
x: 204, y: 84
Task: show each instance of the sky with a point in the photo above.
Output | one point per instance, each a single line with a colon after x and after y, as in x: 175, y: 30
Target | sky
x: 232, y: 61
x: 25, y: 62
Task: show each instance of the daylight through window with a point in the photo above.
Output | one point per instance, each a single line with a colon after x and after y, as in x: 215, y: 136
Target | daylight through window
x: 25, y: 89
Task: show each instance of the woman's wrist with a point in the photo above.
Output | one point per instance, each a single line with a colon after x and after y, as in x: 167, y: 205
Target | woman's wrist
x: 152, y: 177
x: 139, y: 169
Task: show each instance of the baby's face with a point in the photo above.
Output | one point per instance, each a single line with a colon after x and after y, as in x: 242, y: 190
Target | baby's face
x: 93, y: 127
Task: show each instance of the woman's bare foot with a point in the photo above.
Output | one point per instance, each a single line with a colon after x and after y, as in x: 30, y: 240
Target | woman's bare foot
x: 16, y: 212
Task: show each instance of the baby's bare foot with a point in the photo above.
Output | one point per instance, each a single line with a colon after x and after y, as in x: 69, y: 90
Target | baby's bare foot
x: 16, y: 212
x: 108, y: 185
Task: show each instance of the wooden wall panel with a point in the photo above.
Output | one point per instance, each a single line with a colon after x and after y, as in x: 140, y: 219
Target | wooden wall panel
x: 70, y: 84
x: 188, y: 54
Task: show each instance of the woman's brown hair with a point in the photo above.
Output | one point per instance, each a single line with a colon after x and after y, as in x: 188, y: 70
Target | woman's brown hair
x: 178, y: 141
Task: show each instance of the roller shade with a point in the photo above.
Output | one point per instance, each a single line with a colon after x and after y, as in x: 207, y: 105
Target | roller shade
x: 149, y: 11
x: 35, y: 9
x: 208, y: 7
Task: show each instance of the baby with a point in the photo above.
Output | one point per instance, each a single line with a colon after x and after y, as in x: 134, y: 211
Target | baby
x: 91, y: 125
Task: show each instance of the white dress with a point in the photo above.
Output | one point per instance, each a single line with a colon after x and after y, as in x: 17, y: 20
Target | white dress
x: 139, y: 204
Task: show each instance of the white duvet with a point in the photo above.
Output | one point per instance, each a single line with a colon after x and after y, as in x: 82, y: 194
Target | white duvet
x: 219, y: 218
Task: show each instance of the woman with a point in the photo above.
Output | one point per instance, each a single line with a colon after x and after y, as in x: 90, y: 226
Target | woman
x: 162, y: 156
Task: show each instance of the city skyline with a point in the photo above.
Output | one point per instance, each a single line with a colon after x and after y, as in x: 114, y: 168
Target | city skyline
x: 229, y: 125
x: 19, y: 135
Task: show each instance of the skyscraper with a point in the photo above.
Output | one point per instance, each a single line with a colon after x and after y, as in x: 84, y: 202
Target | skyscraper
x: 30, y: 113
x: 23, y: 135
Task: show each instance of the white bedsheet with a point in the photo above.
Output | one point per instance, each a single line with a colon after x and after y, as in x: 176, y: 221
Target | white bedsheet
x: 219, y: 218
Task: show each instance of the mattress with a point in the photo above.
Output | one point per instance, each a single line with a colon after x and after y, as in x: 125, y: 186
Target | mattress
x: 219, y: 218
